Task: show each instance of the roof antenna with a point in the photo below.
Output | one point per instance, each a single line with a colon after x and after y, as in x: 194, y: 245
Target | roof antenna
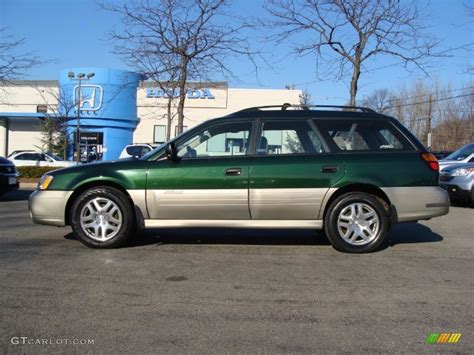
x: 285, y: 106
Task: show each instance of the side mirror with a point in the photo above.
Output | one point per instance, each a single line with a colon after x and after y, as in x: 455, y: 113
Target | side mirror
x: 172, y: 152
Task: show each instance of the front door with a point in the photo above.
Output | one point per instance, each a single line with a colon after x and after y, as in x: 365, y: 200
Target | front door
x: 291, y: 172
x: 211, y: 179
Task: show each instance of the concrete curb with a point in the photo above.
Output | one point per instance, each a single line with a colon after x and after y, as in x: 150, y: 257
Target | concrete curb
x: 28, y: 185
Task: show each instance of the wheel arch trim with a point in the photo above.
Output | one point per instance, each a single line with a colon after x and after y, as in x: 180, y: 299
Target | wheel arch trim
x: 335, y: 192
x: 136, y: 197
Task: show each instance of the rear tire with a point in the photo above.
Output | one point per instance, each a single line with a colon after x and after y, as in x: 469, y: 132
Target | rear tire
x: 102, y: 217
x: 356, y: 223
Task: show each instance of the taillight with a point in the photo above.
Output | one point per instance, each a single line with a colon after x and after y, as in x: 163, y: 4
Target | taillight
x: 431, y: 160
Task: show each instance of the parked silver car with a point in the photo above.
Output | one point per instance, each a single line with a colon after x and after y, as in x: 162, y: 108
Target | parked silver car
x: 32, y: 158
x: 458, y: 180
x: 462, y: 155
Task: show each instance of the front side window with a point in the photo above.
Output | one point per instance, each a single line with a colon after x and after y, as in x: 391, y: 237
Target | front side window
x: 288, y: 137
x: 362, y: 135
x: 220, y: 140
x: 40, y: 157
x: 134, y: 150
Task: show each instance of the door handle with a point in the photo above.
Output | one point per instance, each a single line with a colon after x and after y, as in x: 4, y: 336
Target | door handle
x: 329, y: 169
x: 233, y: 172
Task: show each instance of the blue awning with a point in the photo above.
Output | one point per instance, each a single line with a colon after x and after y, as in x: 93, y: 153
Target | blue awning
x: 24, y: 115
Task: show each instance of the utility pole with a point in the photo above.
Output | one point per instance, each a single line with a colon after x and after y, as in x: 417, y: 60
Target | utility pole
x: 429, y: 135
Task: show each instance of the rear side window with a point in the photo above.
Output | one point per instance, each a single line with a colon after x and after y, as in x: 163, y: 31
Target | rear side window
x: 362, y: 135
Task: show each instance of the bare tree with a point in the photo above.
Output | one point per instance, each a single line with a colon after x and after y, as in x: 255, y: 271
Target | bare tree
x: 346, y: 34
x: 60, y: 108
x: 379, y: 100
x: 426, y: 108
x: 179, y: 40
x: 305, y: 98
x: 13, y: 62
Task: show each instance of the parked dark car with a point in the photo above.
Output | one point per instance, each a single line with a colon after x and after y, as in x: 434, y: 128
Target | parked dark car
x: 8, y: 176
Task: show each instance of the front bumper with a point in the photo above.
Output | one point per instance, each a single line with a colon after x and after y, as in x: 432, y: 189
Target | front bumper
x: 458, y: 187
x: 6, y: 182
x: 49, y: 207
x: 456, y: 192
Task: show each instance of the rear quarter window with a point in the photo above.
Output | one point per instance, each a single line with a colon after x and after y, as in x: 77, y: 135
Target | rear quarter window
x: 362, y: 135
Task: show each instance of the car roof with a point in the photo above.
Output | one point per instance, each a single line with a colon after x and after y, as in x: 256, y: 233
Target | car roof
x: 286, y: 111
x: 27, y: 151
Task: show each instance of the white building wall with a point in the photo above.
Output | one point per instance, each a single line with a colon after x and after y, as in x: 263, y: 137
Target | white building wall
x: 3, y: 138
x: 24, y: 96
x: 24, y: 134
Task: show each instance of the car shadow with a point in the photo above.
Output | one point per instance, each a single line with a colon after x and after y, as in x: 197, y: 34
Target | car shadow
x: 195, y: 236
x: 411, y: 233
x: 209, y: 236
x: 19, y: 195
x: 403, y: 233
x: 462, y: 204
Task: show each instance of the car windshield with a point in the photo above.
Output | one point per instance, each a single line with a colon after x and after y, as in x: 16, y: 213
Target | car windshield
x: 461, y: 153
x: 153, y: 151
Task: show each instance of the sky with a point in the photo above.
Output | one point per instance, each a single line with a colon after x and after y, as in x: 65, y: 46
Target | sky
x: 73, y: 33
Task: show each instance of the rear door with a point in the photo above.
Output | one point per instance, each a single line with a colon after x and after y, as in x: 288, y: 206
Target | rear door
x: 291, y: 171
x: 376, y: 153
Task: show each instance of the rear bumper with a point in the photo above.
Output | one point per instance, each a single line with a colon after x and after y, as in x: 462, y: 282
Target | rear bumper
x: 49, y: 207
x: 419, y: 202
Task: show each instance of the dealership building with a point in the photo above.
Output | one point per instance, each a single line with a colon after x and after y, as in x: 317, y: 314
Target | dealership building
x: 116, y: 108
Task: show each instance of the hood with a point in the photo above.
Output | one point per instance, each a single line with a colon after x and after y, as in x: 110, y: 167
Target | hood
x: 445, y: 163
x: 449, y: 168
x: 5, y: 161
x: 96, y: 167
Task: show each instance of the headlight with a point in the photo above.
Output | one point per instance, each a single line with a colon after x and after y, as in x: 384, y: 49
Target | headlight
x: 45, y: 182
x: 462, y: 171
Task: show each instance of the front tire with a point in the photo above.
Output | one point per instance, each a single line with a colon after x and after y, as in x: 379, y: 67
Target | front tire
x: 102, y: 217
x: 356, y: 223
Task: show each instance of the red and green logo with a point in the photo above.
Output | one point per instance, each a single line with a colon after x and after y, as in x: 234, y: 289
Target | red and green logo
x: 443, y: 338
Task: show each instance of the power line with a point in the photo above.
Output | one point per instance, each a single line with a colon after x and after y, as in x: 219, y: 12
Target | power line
x: 434, y: 93
x: 425, y: 102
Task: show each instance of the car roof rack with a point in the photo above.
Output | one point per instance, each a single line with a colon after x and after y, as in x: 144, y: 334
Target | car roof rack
x: 286, y: 106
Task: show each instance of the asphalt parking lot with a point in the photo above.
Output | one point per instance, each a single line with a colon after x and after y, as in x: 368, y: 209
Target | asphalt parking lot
x: 215, y: 291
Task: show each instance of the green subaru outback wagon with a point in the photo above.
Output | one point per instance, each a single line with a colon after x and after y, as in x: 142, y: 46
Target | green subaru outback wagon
x: 350, y: 172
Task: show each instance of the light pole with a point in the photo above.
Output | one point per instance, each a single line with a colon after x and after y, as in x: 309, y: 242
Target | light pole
x: 79, y: 77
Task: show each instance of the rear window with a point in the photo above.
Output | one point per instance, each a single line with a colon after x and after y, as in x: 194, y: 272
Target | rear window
x: 362, y: 135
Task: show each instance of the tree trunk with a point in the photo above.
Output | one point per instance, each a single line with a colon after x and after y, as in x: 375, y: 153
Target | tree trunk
x: 354, y: 81
x: 182, y: 93
x: 169, y: 118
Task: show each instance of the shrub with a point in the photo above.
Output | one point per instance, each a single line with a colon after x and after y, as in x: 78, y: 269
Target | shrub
x: 33, y: 172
